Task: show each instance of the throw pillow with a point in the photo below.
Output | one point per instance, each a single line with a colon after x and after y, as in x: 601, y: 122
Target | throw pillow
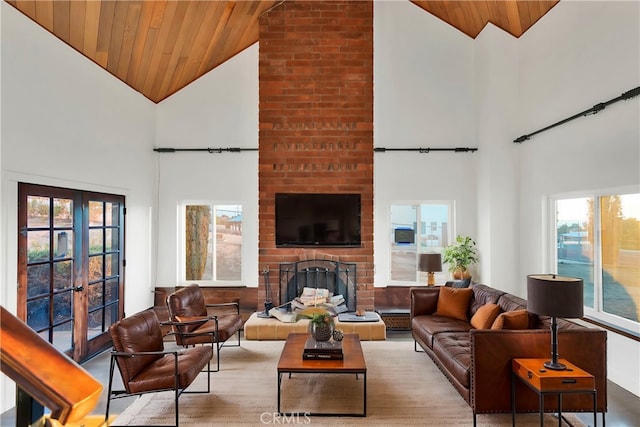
x: 517, y: 319
x: 485, y: 316
x: 454, y: 302
x: 464, y: 283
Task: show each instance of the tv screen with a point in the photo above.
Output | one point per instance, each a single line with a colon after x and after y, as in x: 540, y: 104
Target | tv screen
x: 317, y: 220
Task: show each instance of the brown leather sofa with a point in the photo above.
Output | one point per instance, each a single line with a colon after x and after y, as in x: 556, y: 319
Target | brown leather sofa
x: 477, y: 362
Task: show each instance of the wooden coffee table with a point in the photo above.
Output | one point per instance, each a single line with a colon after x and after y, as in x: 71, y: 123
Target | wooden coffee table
x: 353, y: 363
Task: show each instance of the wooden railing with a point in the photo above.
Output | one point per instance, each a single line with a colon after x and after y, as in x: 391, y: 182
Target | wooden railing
x: 44, y: 373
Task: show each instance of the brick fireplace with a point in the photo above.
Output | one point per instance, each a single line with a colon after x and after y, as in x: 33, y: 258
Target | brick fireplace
x: 316, y: 123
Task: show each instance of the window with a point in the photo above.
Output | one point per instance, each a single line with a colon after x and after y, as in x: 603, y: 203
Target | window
x: 597, y: 238
x: 212, y: 243
x: 415, y: 229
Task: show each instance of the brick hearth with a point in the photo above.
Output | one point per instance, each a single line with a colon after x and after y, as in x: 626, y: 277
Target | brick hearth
x: 316, y: 122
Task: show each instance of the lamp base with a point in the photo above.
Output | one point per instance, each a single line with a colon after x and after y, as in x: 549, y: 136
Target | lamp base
x: 555, y: 366
x: 431, y: 279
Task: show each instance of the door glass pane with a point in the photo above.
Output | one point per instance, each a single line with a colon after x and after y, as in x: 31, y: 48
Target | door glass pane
x: 96, y: 214
x: 112, y: 214
x: 38, y: 279
x: 62, y: 304
x: 95, y: 268
x: 111, y: 291
x: 620, y: 223
x: 37, y: 246
x: 228, y: 240
x: 38, y: 313
x: 574, y: 232
x: 63, y: 336
x: 37, y: 211
x: 198, y: 242
x: 110, y: 239
x: 96, y: 244
x: 62, y: 213
x: 95, y: 295
x: 95, y: 323
x: 111, y: 265
x: 63, y: 244
x: 110, y: 315
x: 62, y: 275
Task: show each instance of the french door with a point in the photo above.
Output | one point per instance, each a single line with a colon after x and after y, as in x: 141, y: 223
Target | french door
x: 70, y: 266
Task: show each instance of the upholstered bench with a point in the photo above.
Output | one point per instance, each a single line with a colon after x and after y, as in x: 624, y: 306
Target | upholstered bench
x: 265, y: 329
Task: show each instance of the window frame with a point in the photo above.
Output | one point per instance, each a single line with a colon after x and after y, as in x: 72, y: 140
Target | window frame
x: 595, y: 315
x: 181, y: 244
x: 420, y: 277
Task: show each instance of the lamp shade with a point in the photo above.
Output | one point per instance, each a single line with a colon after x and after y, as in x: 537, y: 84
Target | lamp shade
x: 430, y: 262
x: 556, y: 296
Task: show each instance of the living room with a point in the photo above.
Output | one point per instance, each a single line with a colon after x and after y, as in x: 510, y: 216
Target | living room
x: 433, y: 87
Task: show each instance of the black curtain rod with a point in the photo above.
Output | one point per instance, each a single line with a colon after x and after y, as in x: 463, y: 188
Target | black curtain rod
x: 209, y: 150
x: 593, y: 110
x: 426, y: 150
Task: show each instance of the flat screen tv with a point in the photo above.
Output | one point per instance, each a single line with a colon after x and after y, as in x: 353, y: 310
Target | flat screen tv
x: 317, y: 220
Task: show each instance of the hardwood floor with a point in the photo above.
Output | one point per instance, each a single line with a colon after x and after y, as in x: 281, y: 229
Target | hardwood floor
x: 624, y: 407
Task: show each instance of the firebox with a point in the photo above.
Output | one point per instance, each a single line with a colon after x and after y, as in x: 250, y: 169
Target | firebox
x: 339, y: 278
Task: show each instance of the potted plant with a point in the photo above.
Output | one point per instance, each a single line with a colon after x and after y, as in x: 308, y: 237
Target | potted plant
x: 460, y: 255
x: 321, y: 324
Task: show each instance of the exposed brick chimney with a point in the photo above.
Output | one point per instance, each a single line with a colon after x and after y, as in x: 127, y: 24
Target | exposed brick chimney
x: 316, y: 121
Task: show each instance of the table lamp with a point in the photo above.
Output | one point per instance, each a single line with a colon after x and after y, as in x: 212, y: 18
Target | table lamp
x: 554, y: 296
x: 430, y: 263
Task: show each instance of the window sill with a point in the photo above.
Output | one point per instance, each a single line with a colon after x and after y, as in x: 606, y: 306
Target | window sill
x: 613, y: 328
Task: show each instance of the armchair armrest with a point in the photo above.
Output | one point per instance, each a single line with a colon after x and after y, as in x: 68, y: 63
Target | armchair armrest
x: 142, y: 353
x: 235, y: 304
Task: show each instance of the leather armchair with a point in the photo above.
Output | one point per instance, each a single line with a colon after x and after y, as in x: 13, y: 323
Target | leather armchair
x: 192, y: 323
x: 145, y: 366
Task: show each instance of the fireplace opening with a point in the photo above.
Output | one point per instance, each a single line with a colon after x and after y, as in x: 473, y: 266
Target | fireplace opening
x: 339, y: 278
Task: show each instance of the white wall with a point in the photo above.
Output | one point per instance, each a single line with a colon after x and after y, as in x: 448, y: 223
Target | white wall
x: 66, y: 122
x: 423, y: 92
x: 578, y: 55
x: 219, y: 110
x: 496, y: 95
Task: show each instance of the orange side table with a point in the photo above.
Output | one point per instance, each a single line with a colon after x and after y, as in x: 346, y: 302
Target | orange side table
x: 544, y: 381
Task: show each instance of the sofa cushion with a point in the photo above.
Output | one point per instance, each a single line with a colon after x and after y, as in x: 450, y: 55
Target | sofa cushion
x: 483, y: 294
x: 485, y: 316
x: 428, y: 326
x: 517, y: 319
x: 454, y: 302
x: 453, y: 351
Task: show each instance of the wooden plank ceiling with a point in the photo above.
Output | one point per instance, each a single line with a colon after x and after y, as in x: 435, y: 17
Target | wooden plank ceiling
x: 158, y: 47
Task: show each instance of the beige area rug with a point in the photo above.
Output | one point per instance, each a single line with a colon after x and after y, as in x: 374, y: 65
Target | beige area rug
x: 404, y: 388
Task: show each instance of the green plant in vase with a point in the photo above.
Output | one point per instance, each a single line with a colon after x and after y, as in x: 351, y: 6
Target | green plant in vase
x: 460, y: 255
x: 321, y: 323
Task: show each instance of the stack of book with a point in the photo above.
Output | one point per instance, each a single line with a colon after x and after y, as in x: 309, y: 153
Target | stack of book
x: 322, y: 350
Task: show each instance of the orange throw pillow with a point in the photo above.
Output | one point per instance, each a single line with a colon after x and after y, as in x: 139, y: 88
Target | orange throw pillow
x: 517, y: 319
x: 485, y: 316
x: 454, y: 302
